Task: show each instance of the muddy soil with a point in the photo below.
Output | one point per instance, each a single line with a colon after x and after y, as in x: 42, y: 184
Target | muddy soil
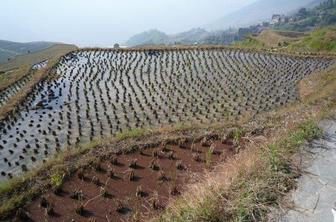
x: 131, y: 187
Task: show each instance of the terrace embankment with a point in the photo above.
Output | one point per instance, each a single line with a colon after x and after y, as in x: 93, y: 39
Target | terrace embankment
x: 11, y: 88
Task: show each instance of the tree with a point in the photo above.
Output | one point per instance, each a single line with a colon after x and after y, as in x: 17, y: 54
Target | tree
x: 329, y: 20
x: 302, y: 13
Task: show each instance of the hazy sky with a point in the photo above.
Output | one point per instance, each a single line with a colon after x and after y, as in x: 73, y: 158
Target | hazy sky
x: 104, y: 22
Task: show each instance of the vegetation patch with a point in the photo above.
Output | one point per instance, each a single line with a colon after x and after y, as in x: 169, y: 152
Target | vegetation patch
x: 320, y: 40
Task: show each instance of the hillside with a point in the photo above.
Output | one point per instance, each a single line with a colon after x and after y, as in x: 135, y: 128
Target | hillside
x: 194, y: 36
x: 308, y: 19
x: 272, y: 38
x: 320, y: 40
x: 9, y: 50
x: 189, y: 37
x: 156, y: 37
x: 151, y: 37
x: 236, y: 26
x: 36, y: 57
x: 258, y: 12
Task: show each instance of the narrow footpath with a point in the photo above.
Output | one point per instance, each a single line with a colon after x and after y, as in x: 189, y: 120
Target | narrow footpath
x: 316, y: 192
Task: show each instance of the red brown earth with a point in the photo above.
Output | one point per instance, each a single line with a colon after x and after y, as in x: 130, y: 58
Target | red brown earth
x: 126, y: 197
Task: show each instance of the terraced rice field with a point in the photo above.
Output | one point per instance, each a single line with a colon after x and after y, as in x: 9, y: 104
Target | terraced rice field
x: 103, y: 92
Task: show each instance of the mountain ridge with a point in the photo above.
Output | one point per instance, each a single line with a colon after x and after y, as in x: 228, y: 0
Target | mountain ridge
x: 9, y: 49
x: 262, y: 10
x: 258, y: 12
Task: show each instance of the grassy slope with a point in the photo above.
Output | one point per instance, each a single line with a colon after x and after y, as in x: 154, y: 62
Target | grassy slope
x: 322, y: 40
x: 5, y: 54
x: 250, y: 42
x: 10, y: 49
x: 30, y: 59
x: 10, y: 77
x: 271, y: 38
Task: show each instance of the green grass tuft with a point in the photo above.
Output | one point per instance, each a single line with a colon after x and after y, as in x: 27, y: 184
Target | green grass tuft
x: 132, y: 134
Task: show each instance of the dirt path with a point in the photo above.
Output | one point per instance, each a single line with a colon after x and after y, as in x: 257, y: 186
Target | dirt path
x: 316, y: 193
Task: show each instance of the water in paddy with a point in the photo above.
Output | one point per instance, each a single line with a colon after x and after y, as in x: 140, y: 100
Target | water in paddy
x: 100, y: 93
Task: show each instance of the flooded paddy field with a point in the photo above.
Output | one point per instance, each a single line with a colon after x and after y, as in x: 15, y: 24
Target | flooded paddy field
x: 100, y: 93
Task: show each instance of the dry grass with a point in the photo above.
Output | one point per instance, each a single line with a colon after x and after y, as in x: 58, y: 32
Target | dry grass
x: 19, y: 97
x: 272, y: 38
x: 324, y: 86
x: 244, y: 188
x: 11, y: 77
x: 201, y: 202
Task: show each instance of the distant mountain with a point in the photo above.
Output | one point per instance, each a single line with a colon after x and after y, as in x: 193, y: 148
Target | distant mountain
x: 190, y: 37
x: 9, y: 50
x: 260, y: 11
x: 156, y: 37
x: 309, y: 19
x: 197, y: 36
x: 214, y: 33
x: 151, y: 37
